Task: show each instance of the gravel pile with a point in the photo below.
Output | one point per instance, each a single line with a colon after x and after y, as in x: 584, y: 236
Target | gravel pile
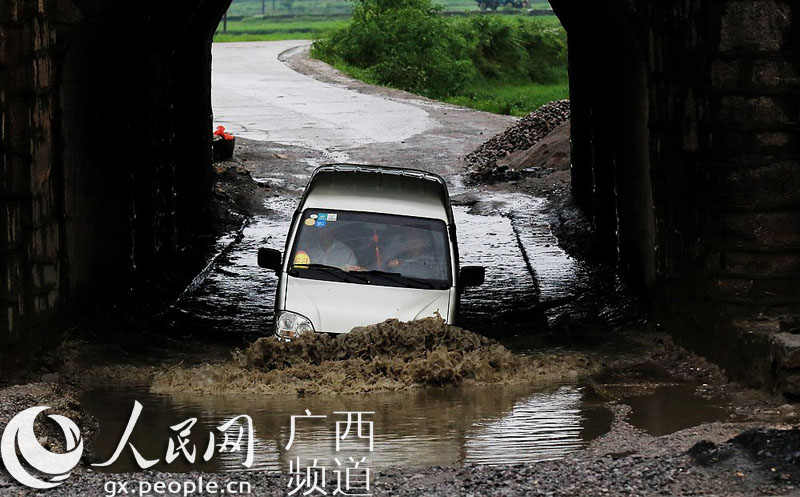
x: 482, y: 162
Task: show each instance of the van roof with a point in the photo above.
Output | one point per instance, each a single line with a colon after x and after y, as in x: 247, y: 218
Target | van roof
x: 388, y: 190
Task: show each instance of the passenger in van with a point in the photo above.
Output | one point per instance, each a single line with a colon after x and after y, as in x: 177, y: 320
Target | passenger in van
x: 410, y: 251
x: 323, y: 247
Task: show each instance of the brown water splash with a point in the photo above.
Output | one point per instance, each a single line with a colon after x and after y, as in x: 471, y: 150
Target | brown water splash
x: 387, y: 356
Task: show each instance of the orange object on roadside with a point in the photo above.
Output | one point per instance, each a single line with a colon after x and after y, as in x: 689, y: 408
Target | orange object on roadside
x: 220, y: 131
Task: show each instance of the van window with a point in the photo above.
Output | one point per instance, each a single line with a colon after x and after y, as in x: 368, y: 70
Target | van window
x: 370, y: 248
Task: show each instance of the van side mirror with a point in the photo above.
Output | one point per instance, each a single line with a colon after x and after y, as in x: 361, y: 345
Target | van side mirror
x: 472, y: 276
x: 269, y: 259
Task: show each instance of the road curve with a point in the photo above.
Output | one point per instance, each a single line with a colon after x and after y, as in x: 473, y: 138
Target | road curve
x: 257, y: 96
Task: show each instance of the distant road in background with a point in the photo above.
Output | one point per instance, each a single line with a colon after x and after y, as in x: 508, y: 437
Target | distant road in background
x: 256, y: 96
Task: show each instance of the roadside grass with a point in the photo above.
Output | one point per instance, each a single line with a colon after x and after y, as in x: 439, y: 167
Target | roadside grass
x: 513, y: 98
x: 297, y: 28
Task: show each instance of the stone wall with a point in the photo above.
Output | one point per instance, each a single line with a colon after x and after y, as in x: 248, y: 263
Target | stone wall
x: 720, y: 254
x: 30, y: 198
x: 105, y: 143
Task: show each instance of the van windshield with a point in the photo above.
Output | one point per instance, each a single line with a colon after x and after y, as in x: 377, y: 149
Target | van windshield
x: 370, y: 248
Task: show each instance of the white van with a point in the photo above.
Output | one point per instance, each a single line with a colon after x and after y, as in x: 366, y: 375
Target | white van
x: 366, y: 244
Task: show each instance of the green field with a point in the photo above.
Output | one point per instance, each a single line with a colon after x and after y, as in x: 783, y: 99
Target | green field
x: 284, y: 28
x: 250, y: 8
x: 300, y: 26
x: 310, y: 19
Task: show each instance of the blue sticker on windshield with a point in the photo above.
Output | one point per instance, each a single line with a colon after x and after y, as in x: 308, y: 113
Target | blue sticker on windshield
x: 323, y: 217
x: 321, y: 223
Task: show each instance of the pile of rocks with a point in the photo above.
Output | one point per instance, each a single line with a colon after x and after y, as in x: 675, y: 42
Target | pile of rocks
x: 482, y: 163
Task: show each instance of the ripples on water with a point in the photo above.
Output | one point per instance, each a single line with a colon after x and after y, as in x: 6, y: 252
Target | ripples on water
x: 445, y: 426
x: 507, y: 234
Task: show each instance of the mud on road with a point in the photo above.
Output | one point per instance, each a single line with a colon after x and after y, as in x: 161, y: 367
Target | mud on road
x: 558, y: 320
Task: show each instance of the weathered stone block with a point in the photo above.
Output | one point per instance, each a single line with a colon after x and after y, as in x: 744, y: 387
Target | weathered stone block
x: 50, y: 274
x: 775, y: 74
x: 10, y: 12
x: 787, y: 349
x: 17, y: 124
x: 16, y: 44
x: 42, y: 73
x: 754, y: 25
x: 778, y: 140
x: 765, y: 74
x: 756, y: 326
x: 775, y: 185
x: 745, y: 148
x: 726, y: 74
x: 758, y: 291
x: 761, y: 263
x: 41, y: 34
x: 761, y: 111
x: 778, y: 229
x: 12, y: 223
x: 12, y: 181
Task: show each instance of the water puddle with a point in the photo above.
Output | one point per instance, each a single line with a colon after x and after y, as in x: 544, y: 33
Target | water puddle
x: 672, y: 408
x: 660, y: 405
x: 417, y: 428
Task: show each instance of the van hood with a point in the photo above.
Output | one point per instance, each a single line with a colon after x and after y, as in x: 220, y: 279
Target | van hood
x: 336, y: 307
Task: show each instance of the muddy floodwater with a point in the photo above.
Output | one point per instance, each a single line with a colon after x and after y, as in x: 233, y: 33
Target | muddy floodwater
x: 509, y: 234
x: 414, y: 428
x: 417, y: 428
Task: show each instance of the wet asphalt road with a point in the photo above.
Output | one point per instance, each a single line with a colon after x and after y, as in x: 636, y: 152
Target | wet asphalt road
x: 257, y: 96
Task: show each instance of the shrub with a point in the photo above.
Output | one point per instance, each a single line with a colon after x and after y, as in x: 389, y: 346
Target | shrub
x: 406, y: 44
x: 401, y: 43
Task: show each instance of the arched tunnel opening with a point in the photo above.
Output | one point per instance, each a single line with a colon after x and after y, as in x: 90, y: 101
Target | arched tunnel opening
x: 108, y: 170
x: 683, y: 141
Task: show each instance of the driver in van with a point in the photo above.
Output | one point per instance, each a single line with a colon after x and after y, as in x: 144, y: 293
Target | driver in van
x: 323, y: 247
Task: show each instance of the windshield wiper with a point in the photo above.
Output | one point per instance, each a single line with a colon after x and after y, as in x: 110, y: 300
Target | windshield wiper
x: 343, y: 275
x: 398, y: 278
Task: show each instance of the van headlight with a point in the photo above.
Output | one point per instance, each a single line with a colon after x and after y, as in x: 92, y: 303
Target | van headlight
x: 291, y: 325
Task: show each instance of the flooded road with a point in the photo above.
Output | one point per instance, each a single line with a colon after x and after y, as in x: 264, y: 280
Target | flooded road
x: 418, y: 428
x: 506, y: 233
x: 447, y: 426
x: 531, y: 284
